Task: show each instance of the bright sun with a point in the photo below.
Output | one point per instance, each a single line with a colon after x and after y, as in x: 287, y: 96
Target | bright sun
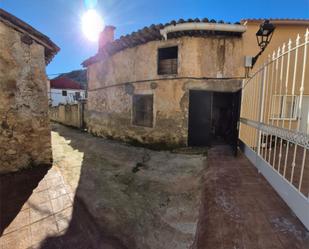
x: 92, y: 25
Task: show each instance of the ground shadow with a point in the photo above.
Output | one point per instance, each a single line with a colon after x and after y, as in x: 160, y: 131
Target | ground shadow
x: 83, y: 230
x: 82, y: 233
x: 15, y: 190
x: 130, y: 192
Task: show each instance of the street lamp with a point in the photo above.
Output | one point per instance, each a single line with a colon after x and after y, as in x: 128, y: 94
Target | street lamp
x: 263, y: 37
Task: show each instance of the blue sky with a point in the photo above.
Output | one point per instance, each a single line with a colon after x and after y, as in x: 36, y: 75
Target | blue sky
x: 60, y: 19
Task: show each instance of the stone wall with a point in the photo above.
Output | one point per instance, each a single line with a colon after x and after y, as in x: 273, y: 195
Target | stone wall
x: 24, y: 123
x: 203, y: 63
x: 111, y: 115
x: 68, y: 114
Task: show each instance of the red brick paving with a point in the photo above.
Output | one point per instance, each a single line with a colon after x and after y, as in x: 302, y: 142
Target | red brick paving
x: 241, y: 210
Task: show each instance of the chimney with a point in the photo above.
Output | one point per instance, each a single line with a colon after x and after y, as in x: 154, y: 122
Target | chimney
x: 106, y: 36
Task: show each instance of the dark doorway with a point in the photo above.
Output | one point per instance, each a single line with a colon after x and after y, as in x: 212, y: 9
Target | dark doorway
x: 199, y: 118
x: 213, y: 118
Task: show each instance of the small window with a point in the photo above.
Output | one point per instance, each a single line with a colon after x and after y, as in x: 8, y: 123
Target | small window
x: 168, y: 60
x: 64, y: 93
x: 284, y: 107
x: 143, y: 110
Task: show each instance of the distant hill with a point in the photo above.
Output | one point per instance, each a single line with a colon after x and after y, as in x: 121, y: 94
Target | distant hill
x: 79, y: 76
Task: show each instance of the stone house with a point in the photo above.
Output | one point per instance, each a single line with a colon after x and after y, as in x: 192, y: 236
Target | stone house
x: 176, y: 84
x: 24, y: 123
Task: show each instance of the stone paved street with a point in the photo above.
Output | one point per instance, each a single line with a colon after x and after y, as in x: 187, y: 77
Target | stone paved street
x: 41, y: 208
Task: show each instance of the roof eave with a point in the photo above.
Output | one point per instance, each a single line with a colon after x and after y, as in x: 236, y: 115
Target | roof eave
x: 282, y: 21
x: 51, y: 49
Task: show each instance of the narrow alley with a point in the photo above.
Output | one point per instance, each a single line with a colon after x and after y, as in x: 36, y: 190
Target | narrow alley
x: 69, y: 205
x: 186, y: 128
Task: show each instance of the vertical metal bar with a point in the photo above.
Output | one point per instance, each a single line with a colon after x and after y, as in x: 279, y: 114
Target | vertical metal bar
x: 293, y: 97
x: 266, y: 85
x: 255, y: 131
x: 301, y: 91
x: 286, y: 94
x: 302, y: 169
x: 252, y: 111
x: 257, y: 108
x: 302, y: 88
x: 282, y: 106
x: 275, y: 147
x: 271, y: 104
x: 246, y: 113
x: 261, y: 101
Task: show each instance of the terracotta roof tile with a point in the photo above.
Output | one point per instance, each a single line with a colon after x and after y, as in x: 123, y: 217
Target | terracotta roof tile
x: 152, y: 33
x: 64, y: 83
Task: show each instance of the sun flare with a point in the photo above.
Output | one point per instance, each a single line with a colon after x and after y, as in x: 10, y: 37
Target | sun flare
x: 92, y: 25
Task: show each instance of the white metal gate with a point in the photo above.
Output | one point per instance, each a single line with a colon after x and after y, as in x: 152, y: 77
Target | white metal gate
x: 274, y: 123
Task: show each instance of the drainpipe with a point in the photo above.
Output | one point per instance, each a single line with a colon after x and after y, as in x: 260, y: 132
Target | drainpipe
x: 237, y: 28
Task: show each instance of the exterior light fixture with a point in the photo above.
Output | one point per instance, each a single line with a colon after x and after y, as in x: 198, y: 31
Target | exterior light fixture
x: 263, y: 37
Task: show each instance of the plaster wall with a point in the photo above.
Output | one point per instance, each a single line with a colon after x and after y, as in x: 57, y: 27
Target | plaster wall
x: 24, y: 123
x: 213, y: 63
x: 57, y: 98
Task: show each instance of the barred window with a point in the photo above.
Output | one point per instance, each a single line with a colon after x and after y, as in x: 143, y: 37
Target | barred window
x: 64, y: 93
x: 143, y: 110
x: 168, y: 60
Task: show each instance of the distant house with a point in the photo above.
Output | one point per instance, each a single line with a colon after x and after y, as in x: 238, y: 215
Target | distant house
x: 79, y: 76
x: 64, y: 90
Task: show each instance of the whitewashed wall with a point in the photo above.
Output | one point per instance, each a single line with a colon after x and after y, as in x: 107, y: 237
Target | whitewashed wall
x: 57, y: 98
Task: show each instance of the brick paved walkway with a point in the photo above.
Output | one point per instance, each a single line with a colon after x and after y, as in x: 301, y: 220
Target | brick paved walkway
x: 241, y: 210
x: 38, y: 210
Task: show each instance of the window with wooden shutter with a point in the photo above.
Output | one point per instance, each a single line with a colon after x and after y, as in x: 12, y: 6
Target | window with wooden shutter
x: 143, y: 110
x: 168, y: 60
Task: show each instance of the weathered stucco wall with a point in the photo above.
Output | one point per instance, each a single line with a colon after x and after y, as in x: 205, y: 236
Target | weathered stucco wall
x: 111, y: 115
x: 24, y: 124
x: 68, y: 114
x: 109, y: 107
x: 211, y: 57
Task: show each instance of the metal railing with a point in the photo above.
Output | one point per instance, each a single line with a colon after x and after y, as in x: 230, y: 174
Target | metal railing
x: 275, y: 112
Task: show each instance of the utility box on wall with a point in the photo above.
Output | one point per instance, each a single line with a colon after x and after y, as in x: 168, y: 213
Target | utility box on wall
x: 248, y: 61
